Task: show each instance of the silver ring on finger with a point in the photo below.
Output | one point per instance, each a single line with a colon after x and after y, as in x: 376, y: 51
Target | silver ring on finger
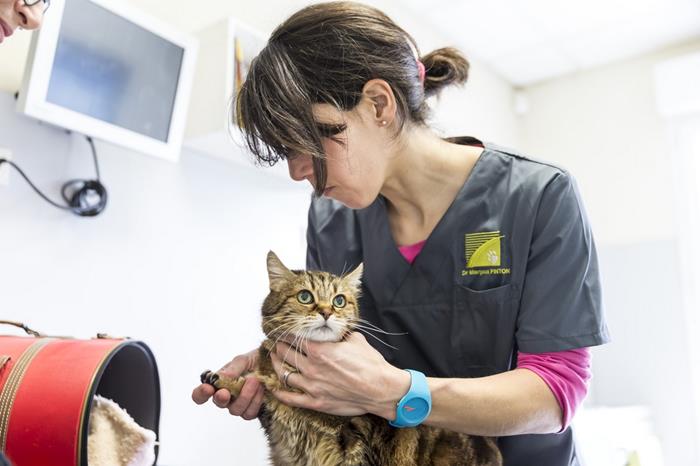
x: 285, y: 376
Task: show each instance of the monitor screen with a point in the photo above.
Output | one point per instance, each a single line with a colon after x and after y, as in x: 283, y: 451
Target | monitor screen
x: 113, y: 70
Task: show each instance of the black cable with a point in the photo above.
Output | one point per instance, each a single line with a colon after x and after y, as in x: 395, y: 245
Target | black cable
x: 12, y: 164
x: 86, y: 198
x: 94, y: 156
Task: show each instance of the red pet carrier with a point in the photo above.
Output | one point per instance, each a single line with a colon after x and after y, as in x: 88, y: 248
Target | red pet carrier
x: 46, y: 389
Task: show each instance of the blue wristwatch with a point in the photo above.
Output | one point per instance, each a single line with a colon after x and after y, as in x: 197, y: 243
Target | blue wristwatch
x: 415, y: 405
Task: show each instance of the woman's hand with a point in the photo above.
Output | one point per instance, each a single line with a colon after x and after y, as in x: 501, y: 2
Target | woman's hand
x: 346, y: 378
x: 248, y: 403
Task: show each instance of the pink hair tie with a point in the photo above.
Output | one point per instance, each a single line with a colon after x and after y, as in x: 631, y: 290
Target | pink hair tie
x: 421, y: 71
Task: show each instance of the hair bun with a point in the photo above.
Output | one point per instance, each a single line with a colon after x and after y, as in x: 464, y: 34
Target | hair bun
x: 443, y: 67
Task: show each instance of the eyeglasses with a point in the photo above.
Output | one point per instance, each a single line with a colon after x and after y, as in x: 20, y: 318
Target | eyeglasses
x: 46, y: 3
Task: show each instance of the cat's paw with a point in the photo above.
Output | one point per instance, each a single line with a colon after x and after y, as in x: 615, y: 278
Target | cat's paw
x: 209, y: 377
x: 220, y: 381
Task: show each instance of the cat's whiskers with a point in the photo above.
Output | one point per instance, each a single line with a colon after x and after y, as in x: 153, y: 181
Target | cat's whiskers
x: 282, y: 335
x: 345, y: 271
x: 298, y: 326
x: 283, y: 318
x: 291, y: 326
x: 368, y: 331
x: 304, y: 338
x: 285, y: 322
x: 367, y: 327
x: 294, y: 326
x: 298, y: 338
x: 369, y: 324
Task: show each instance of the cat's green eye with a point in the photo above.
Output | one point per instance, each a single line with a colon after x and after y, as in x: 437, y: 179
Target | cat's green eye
x: 339, y: 301
x: 305, y: 297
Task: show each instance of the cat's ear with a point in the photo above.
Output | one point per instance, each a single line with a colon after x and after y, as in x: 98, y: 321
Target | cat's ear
x: 354, y: 277
x: 278, y: 273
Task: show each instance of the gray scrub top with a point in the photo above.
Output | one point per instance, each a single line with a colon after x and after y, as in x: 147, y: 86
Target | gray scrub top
x: 510, y: 267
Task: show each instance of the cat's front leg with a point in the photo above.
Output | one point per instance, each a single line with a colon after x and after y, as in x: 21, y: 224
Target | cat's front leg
x: 273, y: 383
x: 266, y: 372
x: 219, y: 381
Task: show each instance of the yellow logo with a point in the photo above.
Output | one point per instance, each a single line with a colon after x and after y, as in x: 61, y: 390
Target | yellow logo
x: 483, y: 250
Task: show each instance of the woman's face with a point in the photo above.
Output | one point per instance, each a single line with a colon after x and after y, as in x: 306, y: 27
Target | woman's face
x: 355, y: 170
x: 15, y: 14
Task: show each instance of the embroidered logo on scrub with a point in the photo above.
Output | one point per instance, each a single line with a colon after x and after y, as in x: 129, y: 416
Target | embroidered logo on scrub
x: 483, y: 250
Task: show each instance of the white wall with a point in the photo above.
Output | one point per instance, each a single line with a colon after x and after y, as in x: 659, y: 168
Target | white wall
x: 600, y: 124
x: 603, y: 125
x: 177, y: 258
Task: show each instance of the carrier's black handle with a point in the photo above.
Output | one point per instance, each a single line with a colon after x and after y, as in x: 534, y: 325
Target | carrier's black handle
x: 34, y: 333
x: 29, y: 331
x: 106, y: 336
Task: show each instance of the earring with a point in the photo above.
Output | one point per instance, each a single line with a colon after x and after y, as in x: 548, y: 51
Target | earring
x: 383, y: 122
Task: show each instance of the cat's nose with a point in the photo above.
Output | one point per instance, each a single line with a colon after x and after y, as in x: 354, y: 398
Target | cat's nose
x: 325, y: 312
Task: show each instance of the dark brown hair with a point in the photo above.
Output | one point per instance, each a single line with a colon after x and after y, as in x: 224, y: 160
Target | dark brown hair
x: 325, y: 53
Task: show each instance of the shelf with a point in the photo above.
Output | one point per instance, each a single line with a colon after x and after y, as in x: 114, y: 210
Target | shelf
x: 220, y: 70
x: 222, y: 145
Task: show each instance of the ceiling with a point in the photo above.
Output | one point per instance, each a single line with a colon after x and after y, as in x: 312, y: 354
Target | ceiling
x: 529, y: 41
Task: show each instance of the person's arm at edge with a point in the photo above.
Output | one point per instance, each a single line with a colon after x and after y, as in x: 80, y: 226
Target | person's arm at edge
x: 511, y: 403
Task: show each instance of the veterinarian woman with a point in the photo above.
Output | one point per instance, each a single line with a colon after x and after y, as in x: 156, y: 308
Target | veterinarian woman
x: 483, y: 256
x: 25, y: 14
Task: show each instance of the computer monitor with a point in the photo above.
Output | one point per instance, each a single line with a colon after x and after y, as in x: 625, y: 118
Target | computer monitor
x: 111, y: 72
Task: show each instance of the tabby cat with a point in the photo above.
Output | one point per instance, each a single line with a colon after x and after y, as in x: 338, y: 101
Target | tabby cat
x: 324, y: 307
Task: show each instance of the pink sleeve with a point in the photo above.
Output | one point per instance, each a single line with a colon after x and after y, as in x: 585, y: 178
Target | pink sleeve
x: 566, y: 372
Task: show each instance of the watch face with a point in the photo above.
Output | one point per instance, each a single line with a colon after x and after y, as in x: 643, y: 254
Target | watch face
x: 414, y: 409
